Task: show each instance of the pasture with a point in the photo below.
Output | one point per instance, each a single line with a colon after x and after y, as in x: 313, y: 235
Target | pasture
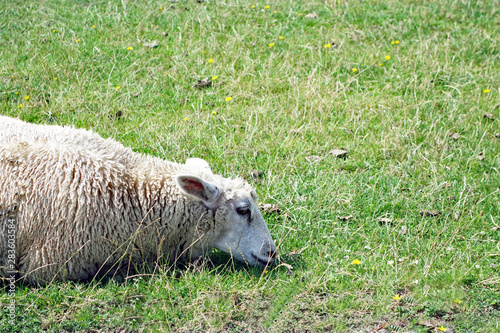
x: 402, y: 234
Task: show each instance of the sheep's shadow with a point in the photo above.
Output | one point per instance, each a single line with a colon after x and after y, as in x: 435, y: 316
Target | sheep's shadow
x: 215, y: 263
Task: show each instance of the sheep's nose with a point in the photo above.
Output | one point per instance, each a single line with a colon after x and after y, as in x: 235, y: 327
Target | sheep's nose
x: 271, y: 254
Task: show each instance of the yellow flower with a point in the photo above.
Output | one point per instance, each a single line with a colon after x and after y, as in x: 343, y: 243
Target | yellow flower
x: 381, y: 64
x: 20, y: 105
x: 78, y: 40
x: 396, y: 41
x: 17, y: 92
x: 274, y: 12
x: 271, y: 44
x: 186, y: 119
x: 281, y: 37
x: 354, y: 70
x: 54, y: 30
x: 55, y: 78
x: 396, y: 298
x: 387, y: 57
x: 252, y: 6
x: 161, y: 8
x: 214, y: 112
x: 328, y: 46
x: 486, y: 91
x: 442, y: 328
x: 93, y: 26
x: 210, y: 61
x: 457, y: 301
x: 214, y: 77
x: 356, y: 262
x: 26, y: 97
x: 392, y: 43
x: 130, y: 48
x: 117, y: 87
x: 299, y: 14
x: 228, y: 98
x: 266, y: 271
x: 267, y: 7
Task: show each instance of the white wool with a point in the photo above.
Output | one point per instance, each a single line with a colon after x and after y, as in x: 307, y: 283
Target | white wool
x: 81, y: 202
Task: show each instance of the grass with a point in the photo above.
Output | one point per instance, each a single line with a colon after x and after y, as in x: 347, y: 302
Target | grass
x: 83, y: 63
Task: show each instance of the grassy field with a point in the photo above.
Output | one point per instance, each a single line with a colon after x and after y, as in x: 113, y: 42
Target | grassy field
x: 401, y: 236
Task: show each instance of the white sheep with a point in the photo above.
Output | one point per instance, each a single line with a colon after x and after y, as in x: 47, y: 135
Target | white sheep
x: 81, y: 205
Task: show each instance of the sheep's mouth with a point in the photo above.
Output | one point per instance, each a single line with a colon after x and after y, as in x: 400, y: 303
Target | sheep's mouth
x: 263, y: 262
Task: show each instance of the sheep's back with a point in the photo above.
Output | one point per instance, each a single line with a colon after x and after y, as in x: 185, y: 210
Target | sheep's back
x: 14, y: 130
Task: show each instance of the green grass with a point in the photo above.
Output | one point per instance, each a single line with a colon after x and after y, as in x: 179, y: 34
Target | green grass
x: 290, y: 101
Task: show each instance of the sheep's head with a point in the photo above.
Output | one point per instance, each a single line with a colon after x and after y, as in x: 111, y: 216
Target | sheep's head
x: 241, y: 229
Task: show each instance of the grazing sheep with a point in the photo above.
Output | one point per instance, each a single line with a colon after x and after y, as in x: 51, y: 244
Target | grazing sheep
x: 73, y: 205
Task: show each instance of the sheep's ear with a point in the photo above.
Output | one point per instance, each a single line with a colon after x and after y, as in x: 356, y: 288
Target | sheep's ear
x: 199, y: 163
x: 198, y: 188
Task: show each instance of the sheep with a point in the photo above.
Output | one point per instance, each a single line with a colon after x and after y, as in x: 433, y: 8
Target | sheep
x: 73, y: 204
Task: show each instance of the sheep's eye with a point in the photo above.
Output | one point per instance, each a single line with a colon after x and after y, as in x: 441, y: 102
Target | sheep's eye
x: 242, y: 210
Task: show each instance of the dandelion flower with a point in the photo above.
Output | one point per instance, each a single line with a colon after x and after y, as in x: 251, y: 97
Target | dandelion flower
x: 130, y: 48
x: 186, y: 119
x: 214, y: 112
x: 271, y: 44
x: 20, y: 105
x: 161, y: 8
x: 281, y: 37
x: 328, y: 46
x: 26, y: 97
x: 54, y: 30
x: 457, y: 301
x: 442, y: 328
x: 117, y: 87
x: 381, y: 64
x: 17, y: 92
x: 266, y: 271
x: 228, y: 98
x: 354, y: 70
x: 252, y: 6
x: 210, y: 61
x: 387, y: 57
x: 396, y: 298
x: 392, y: 43
x: 214, y: 77
x: 356, y: 262
x: 274, y: 12
x: 396, y: 41
x: 299, y: 14
x: 486, y: 91
x: 55, y: 78
x: 78, y: 40
x: 93, y: 26
x: 267, y: 7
